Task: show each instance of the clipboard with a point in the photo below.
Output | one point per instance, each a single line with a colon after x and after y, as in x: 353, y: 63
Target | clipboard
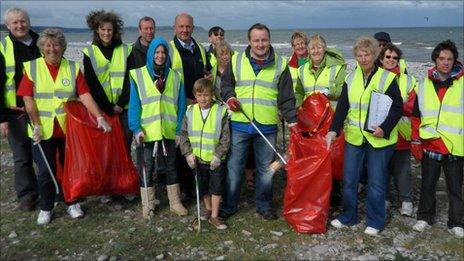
x: 378, y: 109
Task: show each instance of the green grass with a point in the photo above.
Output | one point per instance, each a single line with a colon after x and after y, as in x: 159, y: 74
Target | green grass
x: 117, y: 230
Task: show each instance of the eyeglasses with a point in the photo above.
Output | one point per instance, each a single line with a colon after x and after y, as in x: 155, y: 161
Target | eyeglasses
x: 219, y: 34
x: 392, y: 57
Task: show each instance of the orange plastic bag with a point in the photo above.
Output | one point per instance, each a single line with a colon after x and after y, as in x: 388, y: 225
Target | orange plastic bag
x: 95, y: 163
x: 309, y: 183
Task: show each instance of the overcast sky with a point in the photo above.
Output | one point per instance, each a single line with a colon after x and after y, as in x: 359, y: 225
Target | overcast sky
x: 242, y: 14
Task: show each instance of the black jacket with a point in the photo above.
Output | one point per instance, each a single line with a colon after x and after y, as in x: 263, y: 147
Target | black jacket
x: 193, y: 66
x: 285, y: 97
x: 3, y: 117
x: 138, y: 56
x: 95, y: 87
x: 393, y: 116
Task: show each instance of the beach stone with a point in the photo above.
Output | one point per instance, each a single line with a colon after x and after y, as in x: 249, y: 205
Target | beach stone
x: 277, y: 233
x: 321, y: 249
x: 102, y: 258
x: 160, y: 256
x: 246, y: 233
x: 366, y: 258
x: 12, y: 234
x: 113, y: 258
x: 220, y: 258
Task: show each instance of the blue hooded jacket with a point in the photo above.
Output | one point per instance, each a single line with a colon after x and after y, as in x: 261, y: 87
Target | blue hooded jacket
x: 135, y: 106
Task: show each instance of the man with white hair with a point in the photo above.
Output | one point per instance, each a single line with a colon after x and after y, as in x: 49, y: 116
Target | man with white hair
x: 19, y: 46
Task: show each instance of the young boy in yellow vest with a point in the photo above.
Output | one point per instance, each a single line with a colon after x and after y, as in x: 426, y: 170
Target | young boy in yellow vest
x: 204, y: 141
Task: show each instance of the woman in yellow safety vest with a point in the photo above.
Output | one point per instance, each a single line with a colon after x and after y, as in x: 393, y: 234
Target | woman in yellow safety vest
x: 400, y: 164
x: 368, y: 134
x: 48, y: 83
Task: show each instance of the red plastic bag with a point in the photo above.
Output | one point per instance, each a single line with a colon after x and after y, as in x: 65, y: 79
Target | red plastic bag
x: 314, y: 117
x: 95, y: 163
x: 309, y: 183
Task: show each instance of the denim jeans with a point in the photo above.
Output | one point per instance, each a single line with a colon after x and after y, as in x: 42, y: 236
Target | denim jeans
x: 25, y: 181
x: 430, y: 171
x: 236, y: 162
x: 377, y: 160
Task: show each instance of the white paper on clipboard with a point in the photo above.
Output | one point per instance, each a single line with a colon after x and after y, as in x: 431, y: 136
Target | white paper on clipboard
x: 379, y: 106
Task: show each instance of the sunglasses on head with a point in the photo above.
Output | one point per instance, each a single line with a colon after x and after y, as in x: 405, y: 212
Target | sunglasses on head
x: 219, y: 34
x: 392, y: 57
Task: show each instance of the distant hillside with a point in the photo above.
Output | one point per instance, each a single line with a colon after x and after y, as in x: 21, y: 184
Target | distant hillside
x: 83, y: 30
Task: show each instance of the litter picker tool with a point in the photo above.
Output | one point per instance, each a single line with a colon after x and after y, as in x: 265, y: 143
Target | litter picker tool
x: 196, y: 223
x: 144, y: 175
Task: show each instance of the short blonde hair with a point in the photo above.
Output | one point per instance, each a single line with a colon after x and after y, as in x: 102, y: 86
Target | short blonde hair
x: 317, y: 40
x: 202, y: 85
x: 367, y: 44
x: 298, y: 34
x: 52, y: 33
x: 223, y: 46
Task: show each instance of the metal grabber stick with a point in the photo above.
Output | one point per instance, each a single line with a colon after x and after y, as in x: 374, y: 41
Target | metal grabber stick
x: 198, y: 197
x: 144, y: 173
x: 57, y: 189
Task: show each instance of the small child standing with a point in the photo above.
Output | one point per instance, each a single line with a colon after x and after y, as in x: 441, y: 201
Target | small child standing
x: 205, y: 139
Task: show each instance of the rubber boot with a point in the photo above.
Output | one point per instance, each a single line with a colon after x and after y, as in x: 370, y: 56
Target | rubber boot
x: 174, y: 200
x: 148, y: 204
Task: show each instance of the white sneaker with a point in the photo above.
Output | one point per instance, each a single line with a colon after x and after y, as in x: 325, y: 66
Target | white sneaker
x: 406, y: 209
x: 44, y: 217
x: 371, y: 231
x: 420, y: 226
x: 336, y: 223
x: 105, y: 199
x: 457, y: 232
x: 75, y: 211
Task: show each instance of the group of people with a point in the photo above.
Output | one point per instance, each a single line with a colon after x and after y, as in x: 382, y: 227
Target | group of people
x: 202, y: 112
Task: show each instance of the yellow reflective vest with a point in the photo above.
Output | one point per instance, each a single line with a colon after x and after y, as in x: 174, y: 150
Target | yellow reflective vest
x: 7, y: 50
x: 159, y: 110
x: 358, y: 98
x: 311, y: 84
x: 257, y: 93
x: 50, y: 96
x: 204, y: 134
x: 443, y: 119
x: 176, y: 59
x: 406, y: 84
x: 109, y: 73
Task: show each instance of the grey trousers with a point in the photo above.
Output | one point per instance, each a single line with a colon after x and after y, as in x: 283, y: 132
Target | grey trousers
x: 400, y: 171
x: 25, y: 181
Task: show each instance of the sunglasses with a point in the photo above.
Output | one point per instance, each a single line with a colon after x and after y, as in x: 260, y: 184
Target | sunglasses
x: 219, y: 34
x: 392, y: 57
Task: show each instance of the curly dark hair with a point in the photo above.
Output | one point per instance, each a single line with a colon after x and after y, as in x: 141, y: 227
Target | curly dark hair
x: 96, y: 18
x: 445, y: 45
x: 392, y: 48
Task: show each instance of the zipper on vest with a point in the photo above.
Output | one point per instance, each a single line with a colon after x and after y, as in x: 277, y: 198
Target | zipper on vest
x: 203, y: 127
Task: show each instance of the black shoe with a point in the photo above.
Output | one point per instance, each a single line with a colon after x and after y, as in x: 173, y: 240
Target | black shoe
x: 224, y: 215
x: 268, y: 214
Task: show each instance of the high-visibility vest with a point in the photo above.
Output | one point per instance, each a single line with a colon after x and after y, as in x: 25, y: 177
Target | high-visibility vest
x: 176, y: 59
x: 204, y: 134
x: 358, y: 98
x: 110, y: 73
x: 443, y: 119
x: 213, y: 59
x: 406, y: 83
x: 294, y: 74
x: 325, y: 80
x: 257, y: 93
x: 7, y: 50
x: 159, y: 110
x: 50, y: 96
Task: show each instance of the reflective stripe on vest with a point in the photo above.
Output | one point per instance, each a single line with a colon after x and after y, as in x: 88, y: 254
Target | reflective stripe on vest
x: 51, y: 95
x: 159, y: 110
x: 325, y: 80
x: 406, y: 84
x: 443, y: 119
x: 7, y: 50
x: 257, y: 93
x: 110, y: 74
x: 176, y: 60
x: 204, y: 134
x: 358, y: 98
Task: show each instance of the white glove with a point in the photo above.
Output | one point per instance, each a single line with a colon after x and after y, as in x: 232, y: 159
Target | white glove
x: 329, y: 138
x: 37, y: 134
x: 139, y: 137
x: 191, y: 160
x: 215, y: 163
x: 4, y: 129
x: 102, y: 124
x: 325, y: 91
x: 177, y: 140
